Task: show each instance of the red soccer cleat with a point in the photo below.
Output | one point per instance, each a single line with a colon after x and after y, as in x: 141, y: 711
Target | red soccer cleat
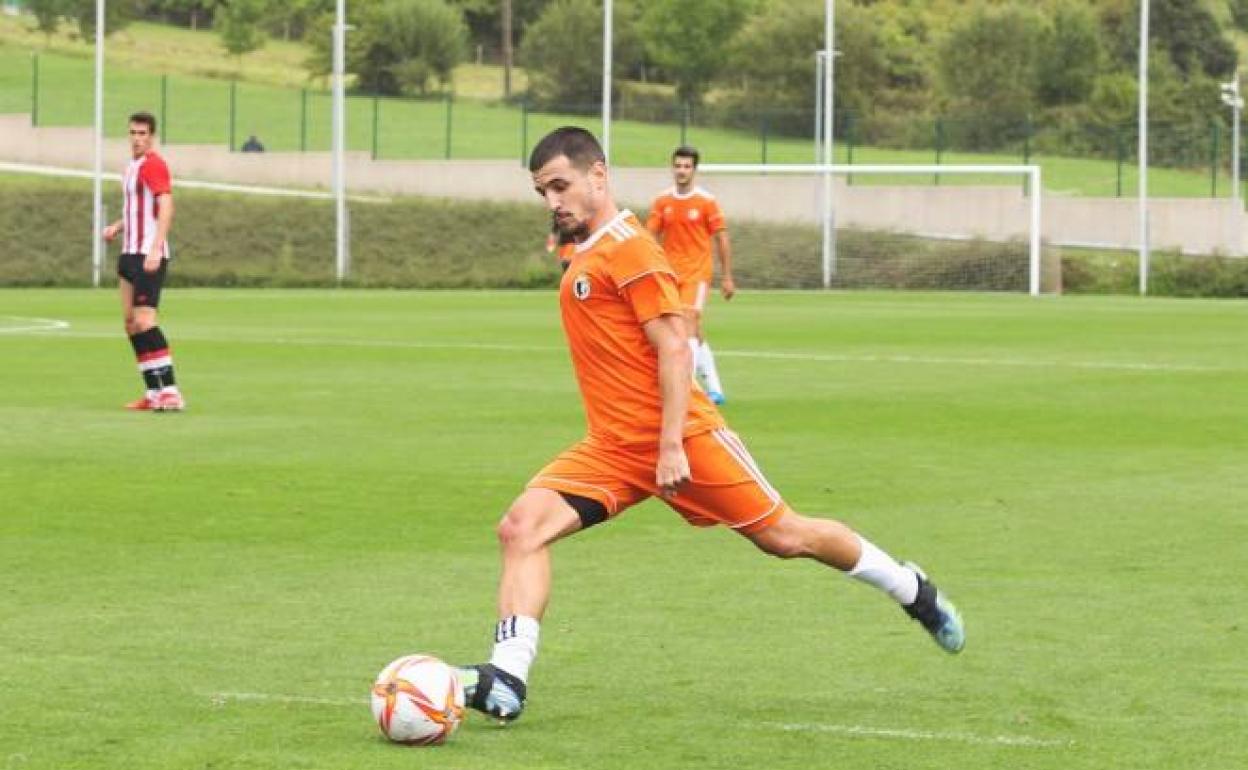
x: 144, y: 404
x: 169, y: 402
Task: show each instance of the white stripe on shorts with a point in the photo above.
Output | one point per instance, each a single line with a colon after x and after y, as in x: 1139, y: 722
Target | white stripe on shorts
x: 734, y: 446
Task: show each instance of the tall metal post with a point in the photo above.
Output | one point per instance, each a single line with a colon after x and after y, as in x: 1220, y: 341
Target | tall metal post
x: 1143, y: 148
x: 34, y: 88
x: 829, y: 96
x: 97, y: 193
x: 608, y: 14
x: 341, y: 253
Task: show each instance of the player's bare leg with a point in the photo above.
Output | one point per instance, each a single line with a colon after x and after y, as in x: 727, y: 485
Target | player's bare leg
x: 536, y: 519
x: 836, y: 545
x: 142, y: 324
x: 125, y: 291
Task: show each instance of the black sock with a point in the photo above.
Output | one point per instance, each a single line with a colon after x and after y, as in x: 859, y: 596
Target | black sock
x: 155, y: 363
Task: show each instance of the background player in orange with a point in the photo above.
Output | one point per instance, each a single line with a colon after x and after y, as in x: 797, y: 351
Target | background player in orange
x: 147, y: 215
x: 686, y: 219
x: 650, y: 432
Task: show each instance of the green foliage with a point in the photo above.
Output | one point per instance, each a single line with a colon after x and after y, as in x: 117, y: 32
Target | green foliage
x: 988, y: 66
x: 1069, y: 55
x: 116, y: 15
x: 562, y: 50
x: 238, y: 24
x: 398, y: 47
x: 686, y: 39
x: 47, y: 14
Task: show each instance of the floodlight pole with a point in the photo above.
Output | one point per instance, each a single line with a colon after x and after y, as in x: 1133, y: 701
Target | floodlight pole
x: 607, y: 36
x: 829, y: 206
x: 819, y: 65
x: 342, y: 245
x: 1143, y: 146
x: 97, y: 194
x: 1231, y: 98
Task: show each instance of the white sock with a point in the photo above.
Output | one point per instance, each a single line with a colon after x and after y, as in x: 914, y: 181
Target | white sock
x: 706, y: 363
x: 696, y: 351
x: 882, y: 571
x: 515, y: 645
x: 152, y: 394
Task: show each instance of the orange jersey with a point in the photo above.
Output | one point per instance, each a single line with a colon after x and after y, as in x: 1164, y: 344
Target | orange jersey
x: 685, y: 222
x: 617, y: 281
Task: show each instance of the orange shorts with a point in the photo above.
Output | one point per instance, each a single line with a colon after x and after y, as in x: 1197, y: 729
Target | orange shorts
x: 693, y: 294
x: 726, y: 486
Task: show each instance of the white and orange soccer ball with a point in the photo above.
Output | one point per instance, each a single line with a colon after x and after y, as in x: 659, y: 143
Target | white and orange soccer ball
x: 418, y: 701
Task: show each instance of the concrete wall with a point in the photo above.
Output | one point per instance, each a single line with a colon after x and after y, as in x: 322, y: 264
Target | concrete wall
x: 1194, y: 225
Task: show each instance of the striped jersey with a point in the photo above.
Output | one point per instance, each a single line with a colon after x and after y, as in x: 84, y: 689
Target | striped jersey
x: 146, y: 177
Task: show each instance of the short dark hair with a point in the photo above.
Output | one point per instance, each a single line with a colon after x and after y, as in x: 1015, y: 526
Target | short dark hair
x: 685, y: 151
x: 145, y: 117
x: 575, y: 143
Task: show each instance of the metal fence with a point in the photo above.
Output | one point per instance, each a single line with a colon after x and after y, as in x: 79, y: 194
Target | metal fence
x: 1195, y: 158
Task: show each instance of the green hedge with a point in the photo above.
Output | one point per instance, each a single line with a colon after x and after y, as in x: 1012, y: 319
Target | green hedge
x: 230, y: 239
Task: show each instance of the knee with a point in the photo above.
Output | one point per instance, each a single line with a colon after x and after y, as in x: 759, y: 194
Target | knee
x: 142, y: 323
x: 784, y: 540
x: 518, y: 529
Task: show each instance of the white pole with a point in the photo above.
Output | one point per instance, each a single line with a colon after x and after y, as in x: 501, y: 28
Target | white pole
x: 1143, y: 147
x: 342, y: 246
x: 97, y: 207
x: 1034, y: 250
x: 607, y: 35
x: 819, y: 65
x: 829, y: 215
x: 1239, y: 105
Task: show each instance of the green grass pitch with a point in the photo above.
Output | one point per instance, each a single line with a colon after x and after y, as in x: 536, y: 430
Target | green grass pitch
x: 216, y: 589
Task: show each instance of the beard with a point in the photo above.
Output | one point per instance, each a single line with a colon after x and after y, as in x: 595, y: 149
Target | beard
x: 572, y: 231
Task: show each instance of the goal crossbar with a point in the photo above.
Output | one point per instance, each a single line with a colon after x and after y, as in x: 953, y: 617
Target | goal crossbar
x: 828, y: 170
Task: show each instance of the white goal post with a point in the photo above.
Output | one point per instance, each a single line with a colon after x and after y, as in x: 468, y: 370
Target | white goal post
x: 1030, y: 172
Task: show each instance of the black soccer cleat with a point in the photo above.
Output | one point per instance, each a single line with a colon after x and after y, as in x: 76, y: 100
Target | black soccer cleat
x: 937, y: 614
x: 493, y: 691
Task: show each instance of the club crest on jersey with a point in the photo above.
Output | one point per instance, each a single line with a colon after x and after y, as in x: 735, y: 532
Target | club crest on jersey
x: 580, y: 287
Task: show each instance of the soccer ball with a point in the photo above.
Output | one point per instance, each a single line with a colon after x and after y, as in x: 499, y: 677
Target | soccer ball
x: 418, y: 701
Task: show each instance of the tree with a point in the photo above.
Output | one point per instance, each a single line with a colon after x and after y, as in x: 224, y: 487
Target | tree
x: 689, y: 39
x: 1070, y: 55
x: 47, y: 15
x: 562, y: 50
x: 987, y: 68
x: 238, y: 24
x: 116, y: 16
x: 398, y: 46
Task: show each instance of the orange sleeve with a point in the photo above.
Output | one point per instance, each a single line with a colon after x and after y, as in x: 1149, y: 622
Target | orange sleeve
x: 653, y: 295
x: 654, y: 222
x: 714, y: 217
x: 635, y: 258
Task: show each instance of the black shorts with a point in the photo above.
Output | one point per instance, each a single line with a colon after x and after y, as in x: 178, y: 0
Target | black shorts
x: 146, y: 285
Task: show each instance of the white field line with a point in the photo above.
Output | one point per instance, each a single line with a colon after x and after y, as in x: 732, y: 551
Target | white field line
x: 1112, y: 366
x: 862, y: 731
x: 221, y: 698
x: 16, y: 324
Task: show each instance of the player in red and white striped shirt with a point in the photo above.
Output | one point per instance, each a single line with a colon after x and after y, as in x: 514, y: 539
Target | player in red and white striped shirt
x: 147, y: 214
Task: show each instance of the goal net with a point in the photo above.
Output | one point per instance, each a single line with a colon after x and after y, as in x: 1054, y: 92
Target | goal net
x: 974, y: 228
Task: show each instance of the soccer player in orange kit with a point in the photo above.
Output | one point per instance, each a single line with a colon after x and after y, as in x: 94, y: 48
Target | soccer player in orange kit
x: 687, y: 219
x: 651, y: 432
